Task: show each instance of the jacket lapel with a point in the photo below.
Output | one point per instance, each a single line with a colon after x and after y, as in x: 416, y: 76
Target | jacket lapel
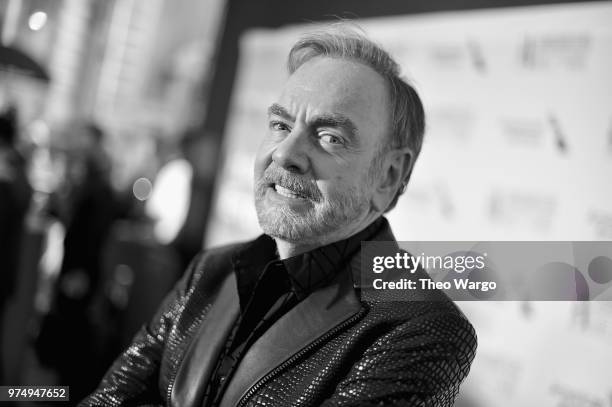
x: 317, y: 314
x: 199, y: 360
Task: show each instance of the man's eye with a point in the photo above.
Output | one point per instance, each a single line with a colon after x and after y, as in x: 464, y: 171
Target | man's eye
x: 278, y: 126
x: 331, y: 139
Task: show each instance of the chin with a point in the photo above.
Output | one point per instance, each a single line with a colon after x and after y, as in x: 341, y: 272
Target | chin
x: 289, y: 227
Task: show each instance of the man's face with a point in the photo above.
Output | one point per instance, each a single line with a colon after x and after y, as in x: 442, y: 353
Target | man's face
x: 312, y: 169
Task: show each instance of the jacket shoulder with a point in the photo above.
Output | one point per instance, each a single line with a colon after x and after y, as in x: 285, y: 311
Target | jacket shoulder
x: 440, y: 321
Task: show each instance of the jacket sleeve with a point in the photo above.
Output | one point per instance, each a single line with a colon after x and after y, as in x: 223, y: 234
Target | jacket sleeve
x: 418, y: 363
x: 133, y: 378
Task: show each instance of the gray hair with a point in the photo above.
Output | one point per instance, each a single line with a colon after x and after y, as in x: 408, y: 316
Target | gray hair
x: 407, y: 114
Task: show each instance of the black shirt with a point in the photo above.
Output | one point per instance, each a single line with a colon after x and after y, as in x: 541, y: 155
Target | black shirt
x: 269, y: 287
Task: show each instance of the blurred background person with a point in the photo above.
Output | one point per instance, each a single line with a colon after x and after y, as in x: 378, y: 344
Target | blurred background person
x: 15, y: 193
x: 85, y: 204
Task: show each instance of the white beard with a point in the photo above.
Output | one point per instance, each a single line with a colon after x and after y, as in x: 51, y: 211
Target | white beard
x: 322, y: 218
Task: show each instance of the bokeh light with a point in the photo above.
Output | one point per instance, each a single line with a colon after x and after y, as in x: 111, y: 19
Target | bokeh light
x: 37, y: 20
x: 142, y: 189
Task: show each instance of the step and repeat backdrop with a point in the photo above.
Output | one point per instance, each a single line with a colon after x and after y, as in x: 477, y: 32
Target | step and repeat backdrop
x: 518, y: 147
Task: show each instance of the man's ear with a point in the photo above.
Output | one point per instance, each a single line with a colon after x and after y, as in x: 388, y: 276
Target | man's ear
x: 394, y: 174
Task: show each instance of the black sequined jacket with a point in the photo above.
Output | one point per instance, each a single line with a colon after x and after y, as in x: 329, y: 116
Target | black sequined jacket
x: 335, y: 348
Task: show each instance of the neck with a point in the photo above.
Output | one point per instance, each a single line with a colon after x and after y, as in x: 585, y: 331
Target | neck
x: 291, y: 249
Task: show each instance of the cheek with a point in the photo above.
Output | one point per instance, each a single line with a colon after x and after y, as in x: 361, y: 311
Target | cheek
x: 338, y: 184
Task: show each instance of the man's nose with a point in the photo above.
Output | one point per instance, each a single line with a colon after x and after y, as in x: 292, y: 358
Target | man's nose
x: 291, y: 153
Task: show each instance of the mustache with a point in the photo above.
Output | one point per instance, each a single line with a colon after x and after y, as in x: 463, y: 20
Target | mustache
x: 296, y: 183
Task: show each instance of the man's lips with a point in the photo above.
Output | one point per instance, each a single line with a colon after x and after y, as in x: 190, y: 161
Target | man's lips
x: 286, y: 192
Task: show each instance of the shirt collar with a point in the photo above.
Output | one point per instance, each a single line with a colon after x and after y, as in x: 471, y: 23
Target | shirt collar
x: 307, y: 271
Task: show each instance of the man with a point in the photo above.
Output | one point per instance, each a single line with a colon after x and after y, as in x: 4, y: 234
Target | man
x: 279, y: 321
